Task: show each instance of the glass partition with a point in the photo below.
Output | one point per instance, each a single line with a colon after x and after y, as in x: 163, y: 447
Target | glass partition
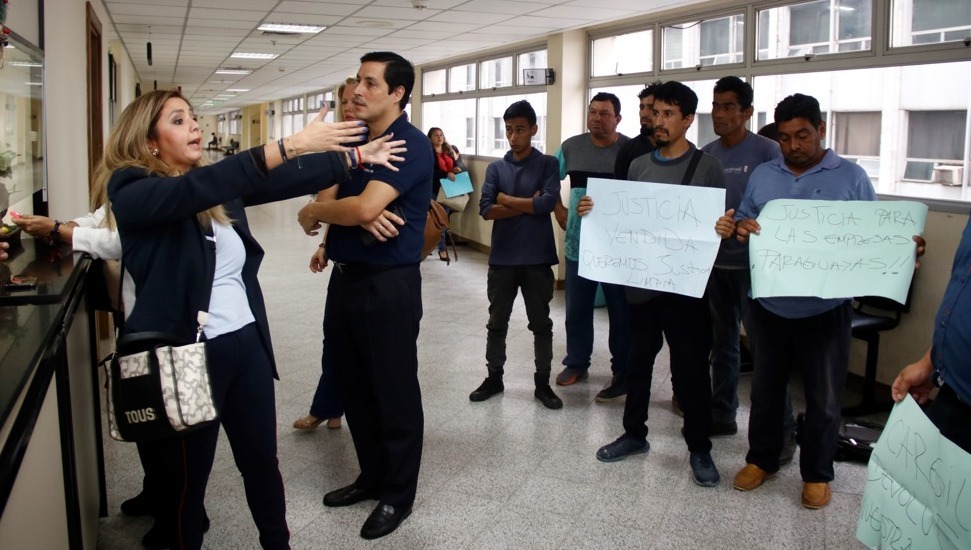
x: 22, y: 170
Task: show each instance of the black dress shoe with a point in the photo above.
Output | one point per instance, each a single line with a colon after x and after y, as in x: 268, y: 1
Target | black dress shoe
x: 138, y: 505
x: 345, y: 496
x: 383, y: 520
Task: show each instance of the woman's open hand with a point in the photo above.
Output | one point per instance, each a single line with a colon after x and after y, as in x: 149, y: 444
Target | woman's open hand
x: 319, y: 136
x: 382, y: 151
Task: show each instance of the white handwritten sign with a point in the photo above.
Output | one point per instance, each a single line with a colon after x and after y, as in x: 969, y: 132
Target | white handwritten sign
x: 651, y: 235
x: 918, y: 487
x: 835, y: 249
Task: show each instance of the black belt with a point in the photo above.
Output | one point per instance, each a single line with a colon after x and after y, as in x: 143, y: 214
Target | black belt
x: 364, y: 269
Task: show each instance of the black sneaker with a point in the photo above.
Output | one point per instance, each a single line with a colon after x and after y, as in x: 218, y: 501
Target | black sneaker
x: 621, y: 448
x: 545, y: 394
x: 491, y: 386
x: 614, y: 391
x: 703, y: 469
x: 723, y: 427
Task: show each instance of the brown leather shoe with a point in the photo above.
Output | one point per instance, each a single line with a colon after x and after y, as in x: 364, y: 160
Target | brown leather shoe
x: 816, y: 495
x: 750, y: 477
x: 308, y: 423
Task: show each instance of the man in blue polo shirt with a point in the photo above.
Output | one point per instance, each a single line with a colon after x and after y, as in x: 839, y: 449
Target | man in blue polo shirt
x: 519, y: 193
x: 803, y: 332
x: 947, y: 364
x: 374, y: 306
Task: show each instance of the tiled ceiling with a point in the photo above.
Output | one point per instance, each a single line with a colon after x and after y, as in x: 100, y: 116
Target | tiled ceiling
x: 191, y: 39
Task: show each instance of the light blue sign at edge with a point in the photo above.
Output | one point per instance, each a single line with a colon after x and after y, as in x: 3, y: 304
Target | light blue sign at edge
x: 835, y: 249
x: 918, y: 487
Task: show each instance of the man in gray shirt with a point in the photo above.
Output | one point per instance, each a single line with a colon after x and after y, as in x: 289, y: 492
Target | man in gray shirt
x: 653, y: 316
x: 591, y: 155
x: 740, y: 152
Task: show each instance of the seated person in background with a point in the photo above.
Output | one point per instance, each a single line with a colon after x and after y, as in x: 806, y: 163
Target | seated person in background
x: 447, y: 164
x: 214, y: 142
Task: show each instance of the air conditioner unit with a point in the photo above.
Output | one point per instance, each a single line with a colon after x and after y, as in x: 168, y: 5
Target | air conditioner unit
x: 948, y: 175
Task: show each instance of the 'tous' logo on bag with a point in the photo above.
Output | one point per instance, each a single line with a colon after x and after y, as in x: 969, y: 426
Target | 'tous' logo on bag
x: 138, y: 416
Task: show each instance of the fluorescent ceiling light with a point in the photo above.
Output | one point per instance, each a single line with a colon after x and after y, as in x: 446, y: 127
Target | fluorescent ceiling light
x: 34, y: 83
x: 237, y: 90
x: 233, y: 71
x: 291, y: 28
x: 25, y: 64
x: 251, y: 55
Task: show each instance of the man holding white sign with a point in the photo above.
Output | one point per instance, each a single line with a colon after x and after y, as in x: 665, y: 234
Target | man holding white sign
x: 655, y: 314
x: 808, y: 332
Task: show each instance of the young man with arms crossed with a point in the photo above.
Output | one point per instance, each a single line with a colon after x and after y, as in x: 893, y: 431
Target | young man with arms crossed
x: 519, y: 193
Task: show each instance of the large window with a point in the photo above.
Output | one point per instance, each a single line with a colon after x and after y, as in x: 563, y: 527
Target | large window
x: 473, y: 121
x: 935, y: 146
x: 916, y: 22
x: 900, y: 110
x: 813, y: 28
x: 622, y: 54
x: 856, y: 136
x: 717, y: 41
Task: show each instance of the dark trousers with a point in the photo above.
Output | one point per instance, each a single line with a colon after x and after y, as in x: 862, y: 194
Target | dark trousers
x: 952, y: 416
x: 536, y: 284
x: 820, y: 347
x: 581, y: 293
x: 327, y: 401
x: 686, y: 324
x: 241, y: 375
x: 371, y: 325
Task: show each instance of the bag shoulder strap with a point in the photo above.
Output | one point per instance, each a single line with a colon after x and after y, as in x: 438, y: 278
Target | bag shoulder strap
x: 692, y: 166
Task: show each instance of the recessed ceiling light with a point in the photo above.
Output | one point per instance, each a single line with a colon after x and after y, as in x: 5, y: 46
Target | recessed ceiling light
x: 253, y: 55
x: 291, y: 28
x: 237, y: 90
x: 233, y: 71
x: 374, y: 24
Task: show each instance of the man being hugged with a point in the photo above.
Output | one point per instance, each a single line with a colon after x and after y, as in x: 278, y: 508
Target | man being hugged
x: 374, y: 303
x: 519, y: 193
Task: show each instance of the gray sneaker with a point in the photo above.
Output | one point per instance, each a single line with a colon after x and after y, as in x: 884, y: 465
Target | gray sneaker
x: 571, y: 375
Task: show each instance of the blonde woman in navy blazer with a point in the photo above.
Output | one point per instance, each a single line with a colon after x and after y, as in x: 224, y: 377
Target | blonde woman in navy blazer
x: 183, y: 230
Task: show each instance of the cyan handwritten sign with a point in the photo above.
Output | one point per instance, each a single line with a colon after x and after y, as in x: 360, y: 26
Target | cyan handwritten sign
x: 651, y: 235
x: 918, y: 487
x: 835, y: 249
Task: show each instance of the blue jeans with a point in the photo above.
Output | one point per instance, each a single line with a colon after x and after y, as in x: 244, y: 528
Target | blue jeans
x: 441, y: 242
x: 728, y: 294
x: 820, y: 347
x: 327, y: 398
x: 580, y: 295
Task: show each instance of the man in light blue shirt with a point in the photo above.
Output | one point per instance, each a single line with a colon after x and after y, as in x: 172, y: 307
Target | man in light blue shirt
x: 809, y: 333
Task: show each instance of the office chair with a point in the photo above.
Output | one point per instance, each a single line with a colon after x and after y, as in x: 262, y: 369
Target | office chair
x: 871, y: 316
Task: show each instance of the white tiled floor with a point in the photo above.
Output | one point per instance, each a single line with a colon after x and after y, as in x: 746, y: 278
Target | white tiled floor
x: 505, y: 473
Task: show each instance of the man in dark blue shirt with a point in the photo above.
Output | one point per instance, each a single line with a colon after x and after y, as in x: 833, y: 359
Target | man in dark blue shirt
x: 519, y: 193
x: 374, y: 306
x: 947, y: 363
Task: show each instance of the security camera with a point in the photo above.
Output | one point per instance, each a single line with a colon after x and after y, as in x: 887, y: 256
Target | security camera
x: 809, y: 55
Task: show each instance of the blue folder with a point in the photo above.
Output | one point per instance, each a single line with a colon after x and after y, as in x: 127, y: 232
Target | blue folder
x: 461, y: 185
